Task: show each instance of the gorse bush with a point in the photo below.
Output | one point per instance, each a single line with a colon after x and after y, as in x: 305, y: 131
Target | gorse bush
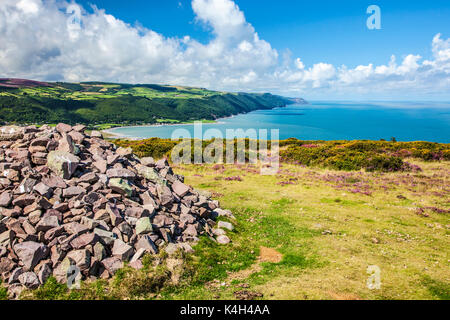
x: 361, y: 154
x: 154, y: 147
x: 340, y: 155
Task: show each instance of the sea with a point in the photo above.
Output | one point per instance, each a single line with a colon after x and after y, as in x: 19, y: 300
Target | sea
x: 322, y: 120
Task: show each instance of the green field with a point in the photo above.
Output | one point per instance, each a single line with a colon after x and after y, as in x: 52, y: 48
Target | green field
x: 96, y: 103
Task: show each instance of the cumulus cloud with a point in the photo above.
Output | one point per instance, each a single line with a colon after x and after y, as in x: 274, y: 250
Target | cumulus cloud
x: 59, y: 40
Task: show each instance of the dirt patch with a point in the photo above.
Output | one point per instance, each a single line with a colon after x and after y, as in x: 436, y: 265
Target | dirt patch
x: 342, y: 296
x: 244, y: 274
x: 266, y: 255
x: 269, y: 255
x: 247, y: 295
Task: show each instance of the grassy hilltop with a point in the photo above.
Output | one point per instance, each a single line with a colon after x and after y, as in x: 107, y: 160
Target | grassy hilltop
x: 308, y: 232
x: 26, y: 101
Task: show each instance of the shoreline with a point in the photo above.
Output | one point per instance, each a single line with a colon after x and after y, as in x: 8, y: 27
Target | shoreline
x: 114, y: 135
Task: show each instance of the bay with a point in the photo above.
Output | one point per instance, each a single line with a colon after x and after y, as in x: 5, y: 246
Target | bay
x: 329, y: 120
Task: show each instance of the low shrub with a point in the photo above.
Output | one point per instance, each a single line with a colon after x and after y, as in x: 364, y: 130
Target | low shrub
x: 340, y: 155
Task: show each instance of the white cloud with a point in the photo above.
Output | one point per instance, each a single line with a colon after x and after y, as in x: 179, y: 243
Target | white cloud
x: 58, y: 40
x: 299, y: 64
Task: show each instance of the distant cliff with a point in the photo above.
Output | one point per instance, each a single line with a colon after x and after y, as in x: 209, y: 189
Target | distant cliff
x: 297, y: 100
x: 28, y: 101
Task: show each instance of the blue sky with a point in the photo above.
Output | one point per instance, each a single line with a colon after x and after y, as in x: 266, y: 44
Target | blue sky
x: 321, y: 30
x: 314, y: 49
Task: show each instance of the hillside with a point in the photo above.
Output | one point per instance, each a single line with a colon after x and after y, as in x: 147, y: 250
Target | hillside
x: 305, y: 233
x: 27, y: 101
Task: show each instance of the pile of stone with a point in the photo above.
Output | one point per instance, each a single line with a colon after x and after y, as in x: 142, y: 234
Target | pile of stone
x: 68, y: 199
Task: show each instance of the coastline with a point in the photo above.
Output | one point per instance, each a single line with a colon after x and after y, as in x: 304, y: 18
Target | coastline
x: 114, y: 135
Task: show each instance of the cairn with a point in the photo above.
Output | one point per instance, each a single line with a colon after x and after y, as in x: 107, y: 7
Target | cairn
x: 68, y: 199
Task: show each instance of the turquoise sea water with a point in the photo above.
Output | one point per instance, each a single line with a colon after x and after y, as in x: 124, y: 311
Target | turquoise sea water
x: 325, y: 120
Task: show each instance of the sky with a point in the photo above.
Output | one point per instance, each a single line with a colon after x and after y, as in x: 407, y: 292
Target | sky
x: 312, y: 49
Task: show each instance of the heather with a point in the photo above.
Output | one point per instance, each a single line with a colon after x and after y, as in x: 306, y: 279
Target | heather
x: 384, y: 156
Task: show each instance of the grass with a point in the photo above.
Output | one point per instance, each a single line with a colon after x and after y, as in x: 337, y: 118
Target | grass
x: 439, y: 289
x: 98, y: 103
x: 326, y: 236
x: 173, y: 121
x: 106, y: 126
x: 3, y: 292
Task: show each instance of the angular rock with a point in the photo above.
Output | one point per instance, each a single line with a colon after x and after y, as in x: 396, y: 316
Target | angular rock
x: 53, y: 233
x: 90, y: 178
x: 43, y: 190
x: 76, y: 136
x: 96, y: 134
x: 226, y: 225
x: 44, y: 273
x: 146, y: 243
x: 143, y: 226
x: 26, y: 186
x: 223, y: 239
x: 81, y: 258
x: 14, y: 277
x: 137, y: 264
x: 63, y: 128
x: 107, y: 237
x: 29, y: 280
x: 30, y: 253
x: 164, y: 194
x: 191, y: 231
x: 6, y: 265
x: 125, y: 228
x: 180, y: 188
x: 148, y: 161
x: 76, y: 228
x: 101, y: 165
x: 79, y: 127
x: 124, y: 152
x: 5, y: 199
x: 73, y: 191
x: 63, y: 164
x: 122, y: 250
x: 24, y: 200
x: 219, y: 232
x: 54, y: 182
x: 34, y: 217
x: 47, y: 223
x: 112, y: 264
x: 66, y: 144
x: 84, y: 240
x: 121, y: 186
x: 99, y: 251
x: 223, y: 213
x: 120, y: 173
x: 28, y: 227
x: 138, y: 255
x: 114, y: 214
x: 150, y: 174
x: 10, y: 133
x: 162, y: 163
x: 62, y: 271
x: 171, y: 248
x: 137, y: 212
